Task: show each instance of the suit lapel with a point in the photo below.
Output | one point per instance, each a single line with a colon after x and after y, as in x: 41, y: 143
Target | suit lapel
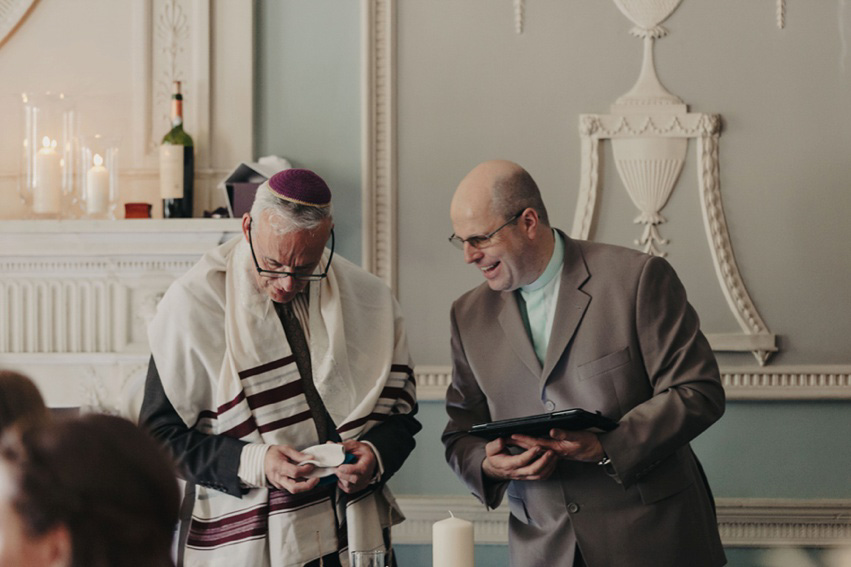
x: 570, y: 306
x: 512, y: 325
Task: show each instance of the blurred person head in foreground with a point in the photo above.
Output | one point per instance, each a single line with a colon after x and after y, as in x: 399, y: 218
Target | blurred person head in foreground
x: 91, y: 491
x: 20, y: 401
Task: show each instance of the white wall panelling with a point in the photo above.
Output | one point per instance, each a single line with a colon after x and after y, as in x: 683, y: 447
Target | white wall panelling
x: 76, y: 297
x: 743, y: 522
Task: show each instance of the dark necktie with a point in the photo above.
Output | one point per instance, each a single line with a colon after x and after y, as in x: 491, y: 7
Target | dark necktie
x: 325, y: 427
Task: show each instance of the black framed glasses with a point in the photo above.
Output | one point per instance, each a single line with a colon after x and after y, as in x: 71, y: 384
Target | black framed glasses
x: 479, y: 242
x: 295, y: 276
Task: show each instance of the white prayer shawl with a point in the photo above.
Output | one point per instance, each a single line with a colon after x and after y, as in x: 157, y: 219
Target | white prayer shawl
x: 227, y: 369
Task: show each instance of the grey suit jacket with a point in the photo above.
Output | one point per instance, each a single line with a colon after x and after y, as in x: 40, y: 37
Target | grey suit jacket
x: 625, y: 342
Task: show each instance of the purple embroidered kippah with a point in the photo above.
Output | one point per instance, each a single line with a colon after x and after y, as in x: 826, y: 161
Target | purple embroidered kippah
x: 301, y: 186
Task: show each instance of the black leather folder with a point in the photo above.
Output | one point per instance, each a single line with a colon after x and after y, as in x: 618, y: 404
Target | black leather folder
x: 575, y: 419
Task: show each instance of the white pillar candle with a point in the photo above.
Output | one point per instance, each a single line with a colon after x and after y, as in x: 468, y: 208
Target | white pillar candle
x: 48, y: 179
x: 452, y: 543
x: 97, y: 187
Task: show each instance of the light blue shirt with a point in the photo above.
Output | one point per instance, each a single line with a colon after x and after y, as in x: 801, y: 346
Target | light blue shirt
x: 540, y: 297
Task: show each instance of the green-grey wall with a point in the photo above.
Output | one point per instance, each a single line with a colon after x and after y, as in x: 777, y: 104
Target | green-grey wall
x: 470, y: 88
x: 307, y: 99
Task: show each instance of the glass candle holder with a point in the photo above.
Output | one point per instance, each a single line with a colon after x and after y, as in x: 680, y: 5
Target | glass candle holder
x: 98, y: 196
x: 48, y: 158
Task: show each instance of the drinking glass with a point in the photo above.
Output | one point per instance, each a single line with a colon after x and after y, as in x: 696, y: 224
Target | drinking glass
x: 369, y: 558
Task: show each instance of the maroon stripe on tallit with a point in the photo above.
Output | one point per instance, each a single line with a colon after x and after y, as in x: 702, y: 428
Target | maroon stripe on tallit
x: 274, y: 395
x: 253, y: 523
x: 405, y: 395
x: 404, y: 369
x: 286, y: 422
x: 390, y: 392
x: 243, y: 429
x: 228, y: 405
x: 250, y: 524
x: 266, y: 367
x: 282, y: 500
x: 396, y: 393
x: 358, y: 422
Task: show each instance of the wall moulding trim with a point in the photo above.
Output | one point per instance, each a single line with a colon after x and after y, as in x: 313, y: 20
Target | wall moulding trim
x: 378, y: 116
x: 791, y: 382
x: 743, y: 522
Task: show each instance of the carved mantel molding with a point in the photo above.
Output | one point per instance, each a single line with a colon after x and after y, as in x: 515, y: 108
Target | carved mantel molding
x: 76, y: 297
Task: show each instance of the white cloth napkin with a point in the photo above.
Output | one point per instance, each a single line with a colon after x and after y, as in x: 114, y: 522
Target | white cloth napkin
x: 325, y: 458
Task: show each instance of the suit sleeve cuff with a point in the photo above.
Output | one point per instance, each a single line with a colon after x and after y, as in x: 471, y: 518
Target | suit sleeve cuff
x: 252, y: 465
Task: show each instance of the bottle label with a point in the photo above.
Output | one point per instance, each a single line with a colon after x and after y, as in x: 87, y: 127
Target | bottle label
x: 171, y: 172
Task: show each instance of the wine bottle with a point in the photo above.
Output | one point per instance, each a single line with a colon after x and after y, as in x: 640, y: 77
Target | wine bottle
x: 177, y: 164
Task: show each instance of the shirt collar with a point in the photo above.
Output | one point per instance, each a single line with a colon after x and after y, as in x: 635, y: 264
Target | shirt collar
x: 553, y: 268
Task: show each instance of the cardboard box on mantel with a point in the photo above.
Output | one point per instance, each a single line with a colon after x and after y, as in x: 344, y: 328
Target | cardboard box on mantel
x: 241, y: 184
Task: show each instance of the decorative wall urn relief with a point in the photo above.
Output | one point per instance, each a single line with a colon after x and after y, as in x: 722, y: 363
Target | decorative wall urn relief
x: 649, y: 128
x: 649, y: 166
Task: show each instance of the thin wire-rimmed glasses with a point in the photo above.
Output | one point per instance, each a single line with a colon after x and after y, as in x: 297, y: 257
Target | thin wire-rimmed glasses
x: 483, y: 241
x: 295, y: 276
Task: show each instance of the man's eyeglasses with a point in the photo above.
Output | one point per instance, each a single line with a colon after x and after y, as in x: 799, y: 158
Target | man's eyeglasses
x: 479, y: 242
x: 295, y: 276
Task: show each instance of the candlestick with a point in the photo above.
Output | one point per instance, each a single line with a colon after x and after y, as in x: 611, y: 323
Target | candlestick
x: 97, y: 187
x: 48, y: 179
x: 452, y: 543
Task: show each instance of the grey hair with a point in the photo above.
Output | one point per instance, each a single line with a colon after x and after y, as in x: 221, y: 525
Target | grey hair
x: 286, y: 216
x: 515, y: 192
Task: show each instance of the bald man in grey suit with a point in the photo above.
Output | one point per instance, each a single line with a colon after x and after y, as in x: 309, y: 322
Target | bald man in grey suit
x: 562, y: 323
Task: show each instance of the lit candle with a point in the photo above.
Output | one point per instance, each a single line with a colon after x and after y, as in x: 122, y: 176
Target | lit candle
x: 452, y: 543
x: 97, y: 187
x: 48, y: 179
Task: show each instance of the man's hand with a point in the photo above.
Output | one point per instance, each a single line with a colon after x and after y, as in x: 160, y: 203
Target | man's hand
x: 574, y: 445
x: 536, y: 463
x: 283, y: 471
x: 356, y: 476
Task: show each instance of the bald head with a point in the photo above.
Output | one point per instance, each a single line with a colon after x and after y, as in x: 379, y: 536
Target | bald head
x: 500, y: 187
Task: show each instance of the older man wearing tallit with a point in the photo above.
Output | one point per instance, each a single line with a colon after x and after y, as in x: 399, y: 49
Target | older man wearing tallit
x: 263, y: 353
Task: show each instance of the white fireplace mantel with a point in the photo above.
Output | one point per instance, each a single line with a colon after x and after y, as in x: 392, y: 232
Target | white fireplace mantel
x: 76, y: 296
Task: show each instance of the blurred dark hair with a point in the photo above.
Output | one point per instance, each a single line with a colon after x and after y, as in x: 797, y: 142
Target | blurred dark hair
x: 20, y: 401
x: 101, y: 477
